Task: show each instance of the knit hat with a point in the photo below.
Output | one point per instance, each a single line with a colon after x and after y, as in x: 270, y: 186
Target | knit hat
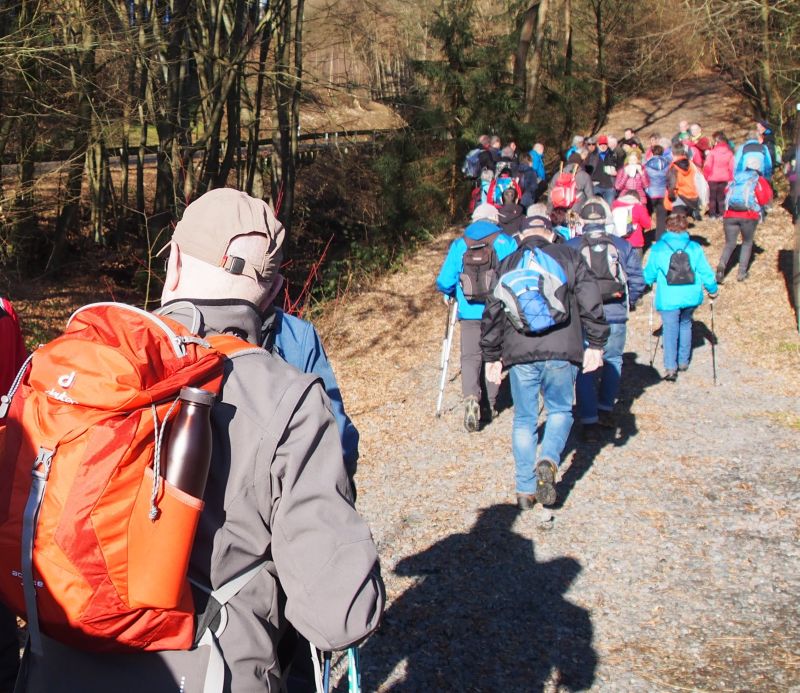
x: 487, y: 212
x: 596, y: 210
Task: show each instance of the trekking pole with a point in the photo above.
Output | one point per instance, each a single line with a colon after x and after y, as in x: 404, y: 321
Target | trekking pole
x: 445, y: 359
x: 713, y: 345
x: 652, y: 350
x: 326, y: 672
x: 354, y: 670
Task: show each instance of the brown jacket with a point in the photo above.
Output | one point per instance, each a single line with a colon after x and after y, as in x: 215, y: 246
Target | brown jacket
x: 278, y: 496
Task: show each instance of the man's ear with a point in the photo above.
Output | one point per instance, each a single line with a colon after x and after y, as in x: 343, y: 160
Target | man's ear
x: 274, y: 290
x: 173, y: 277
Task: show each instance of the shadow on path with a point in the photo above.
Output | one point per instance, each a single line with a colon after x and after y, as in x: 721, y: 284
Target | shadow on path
x: 484, y: 616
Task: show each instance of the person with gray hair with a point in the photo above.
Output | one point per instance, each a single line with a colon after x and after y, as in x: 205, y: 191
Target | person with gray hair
x: 278, y: 505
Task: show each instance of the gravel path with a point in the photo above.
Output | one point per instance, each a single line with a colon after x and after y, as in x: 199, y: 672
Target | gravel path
x: 672, y: 560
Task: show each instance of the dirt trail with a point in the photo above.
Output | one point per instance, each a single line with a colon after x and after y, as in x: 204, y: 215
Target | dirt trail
x: 672, y: 560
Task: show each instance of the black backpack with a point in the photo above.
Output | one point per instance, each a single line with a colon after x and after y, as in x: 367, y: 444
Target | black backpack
x: 680, y: 272
x: 479, y: 272
x: 602, y: 257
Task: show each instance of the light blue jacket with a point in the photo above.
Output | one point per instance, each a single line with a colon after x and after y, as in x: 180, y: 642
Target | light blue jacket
x: 675, y: 297
x: 447, y: 282
x: 297, y: 342
x: 537, y: 162
x: 754, y: 147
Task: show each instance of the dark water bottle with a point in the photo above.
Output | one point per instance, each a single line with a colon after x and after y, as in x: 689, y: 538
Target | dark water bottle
x: 189, y: 446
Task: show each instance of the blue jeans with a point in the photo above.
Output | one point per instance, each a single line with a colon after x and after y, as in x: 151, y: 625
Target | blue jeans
x: 608, y: 194
x: 556, y: 380
x: 586, y: 388
x: 677, y: 337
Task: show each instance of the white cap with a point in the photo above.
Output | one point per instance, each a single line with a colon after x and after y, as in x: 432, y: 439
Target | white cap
x: 486, y: 211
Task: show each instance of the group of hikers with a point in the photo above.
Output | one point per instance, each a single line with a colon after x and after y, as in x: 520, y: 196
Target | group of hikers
x: 272, y: 561
x: 544, y: 277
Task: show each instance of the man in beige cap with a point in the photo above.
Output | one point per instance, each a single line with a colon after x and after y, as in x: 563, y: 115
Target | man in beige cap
x: 278, y: 505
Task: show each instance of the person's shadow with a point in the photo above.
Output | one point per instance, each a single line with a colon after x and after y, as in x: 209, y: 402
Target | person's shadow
x: 483, y: 616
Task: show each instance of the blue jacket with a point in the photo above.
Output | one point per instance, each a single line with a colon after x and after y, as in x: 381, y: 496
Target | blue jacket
x: 753, y: 147
x: 537, y: 162
x: 617, y: 311
x: 657, y: 168
x: 529, y: 182
x: 297, y: 342
x: 669, y: 297
x: 448, y: 280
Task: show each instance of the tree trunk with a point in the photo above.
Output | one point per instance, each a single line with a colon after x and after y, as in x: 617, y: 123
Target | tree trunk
x: 523, y: 46
x: 535, y: 62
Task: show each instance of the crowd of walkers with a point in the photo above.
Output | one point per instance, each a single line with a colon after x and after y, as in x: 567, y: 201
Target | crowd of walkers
x: 546, y: 274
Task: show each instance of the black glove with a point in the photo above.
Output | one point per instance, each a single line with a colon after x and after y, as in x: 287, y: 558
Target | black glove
x: 672, y: 197
x: 714, y: 295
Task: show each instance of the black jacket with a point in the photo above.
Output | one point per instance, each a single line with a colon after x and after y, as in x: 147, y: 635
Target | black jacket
x: 501, y: 341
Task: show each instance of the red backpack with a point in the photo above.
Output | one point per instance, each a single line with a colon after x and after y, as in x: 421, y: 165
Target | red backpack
x: 94, y: 544
x: 565, y: 190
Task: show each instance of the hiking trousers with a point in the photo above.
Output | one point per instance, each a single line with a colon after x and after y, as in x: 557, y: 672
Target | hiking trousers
x: 473, y: 380
x: 657, y: 204
x: 733, y: 227
x: 716, y: 198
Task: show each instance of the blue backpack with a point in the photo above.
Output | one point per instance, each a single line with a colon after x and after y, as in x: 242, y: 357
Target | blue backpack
x: 534, y: 295
x: 471, y: 166
x: 740, y: 195
x: 657, y: 167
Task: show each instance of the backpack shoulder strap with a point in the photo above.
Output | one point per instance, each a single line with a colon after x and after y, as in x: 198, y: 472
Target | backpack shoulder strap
x: 231, y: 345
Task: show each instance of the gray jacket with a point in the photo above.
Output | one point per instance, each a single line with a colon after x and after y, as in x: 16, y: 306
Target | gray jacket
x: 278, y: 496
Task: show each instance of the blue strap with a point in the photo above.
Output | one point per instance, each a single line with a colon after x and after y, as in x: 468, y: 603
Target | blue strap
x: 40, y: 472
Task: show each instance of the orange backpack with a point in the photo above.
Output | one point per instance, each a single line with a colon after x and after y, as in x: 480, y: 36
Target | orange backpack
x: 94, y: 547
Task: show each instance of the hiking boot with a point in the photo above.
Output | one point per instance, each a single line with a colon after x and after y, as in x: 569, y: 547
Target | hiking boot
x: 489, y: 415
x: 683, y: 366
x: 526, y: 501
x: 472, y: 414
x: 590, y: 433
x: 546, y: 471
x: 606, y: 419
x: 742, y: 277
x: 720, y: 276
x: 671, y: 376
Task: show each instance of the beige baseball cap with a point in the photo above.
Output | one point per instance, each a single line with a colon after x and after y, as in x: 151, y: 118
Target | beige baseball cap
x: 214, y: 219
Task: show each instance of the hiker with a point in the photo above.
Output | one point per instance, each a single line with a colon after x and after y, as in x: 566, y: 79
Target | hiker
x: 718, y: 170
x: 746, y: 196
x: 528, y: 180
x: 656, y: 168
x: 681, y: 182
x: 767, y: 138
x: 618, y: 270
x: 277, y: 494
x: 545, y: 361
x: 511, y: 214
x: 631, y: 141
x: 559, y: 218
x: 699, y: 140
x: 680, y: 271
x: 577, y: 143
x: 486, y: 158
x: 692, y: 151
x: 12, y: 356
x: 753, y: 146
x: 298, y: 343
x: 572, y: 186
x: 683, y: 131
x: 631, y: 220
x: 602, y: 167
x: 653, y: 140
x: 632, y: 177
x: 617, y: 151
x: 468, y: 274
x: 537, y: 160
x: 492, y: 191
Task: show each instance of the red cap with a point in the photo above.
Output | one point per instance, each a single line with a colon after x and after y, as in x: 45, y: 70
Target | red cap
x: 602, y: 139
